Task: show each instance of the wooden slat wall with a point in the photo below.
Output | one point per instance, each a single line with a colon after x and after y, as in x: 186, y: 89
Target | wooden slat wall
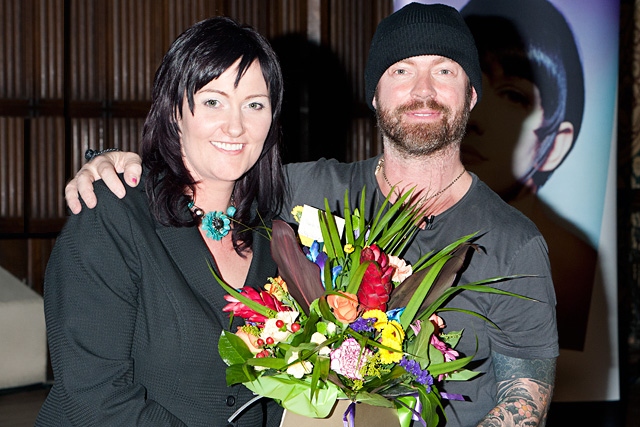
x: 351, y: 27
x: 77, y: 74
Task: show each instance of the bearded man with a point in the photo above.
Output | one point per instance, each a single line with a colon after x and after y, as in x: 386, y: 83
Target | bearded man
x: 422, y: 79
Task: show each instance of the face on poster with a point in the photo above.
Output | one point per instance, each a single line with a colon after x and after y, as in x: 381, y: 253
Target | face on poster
x: 573, y: 178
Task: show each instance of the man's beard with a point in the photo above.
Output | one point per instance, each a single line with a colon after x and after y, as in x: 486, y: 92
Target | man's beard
x: 421, y: 139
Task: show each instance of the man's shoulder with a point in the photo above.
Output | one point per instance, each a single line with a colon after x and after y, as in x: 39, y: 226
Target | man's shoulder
x: 324, y: 167
x: 483, y: 211
x: 499, y: 211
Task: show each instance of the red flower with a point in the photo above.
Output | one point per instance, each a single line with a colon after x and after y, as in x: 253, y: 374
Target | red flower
x: 376, y: 283
x: 261, y: 297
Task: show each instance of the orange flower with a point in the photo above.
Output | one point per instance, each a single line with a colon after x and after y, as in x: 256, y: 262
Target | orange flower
x: 345, y: 306
x: 249, y: 339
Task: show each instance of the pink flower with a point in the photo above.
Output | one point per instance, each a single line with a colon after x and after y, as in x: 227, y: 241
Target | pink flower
x: 402, y: 270
x: 449, y: 353
x: 349, y: 358
x: 261, y: 297
x: 437, y: 322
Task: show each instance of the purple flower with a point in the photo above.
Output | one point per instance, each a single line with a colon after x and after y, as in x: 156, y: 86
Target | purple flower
x: 422, y: 376
x: 315, y: 254
x: 363, y: 325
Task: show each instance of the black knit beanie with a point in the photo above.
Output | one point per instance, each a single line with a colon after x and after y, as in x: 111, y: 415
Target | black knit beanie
x: 420, y: 29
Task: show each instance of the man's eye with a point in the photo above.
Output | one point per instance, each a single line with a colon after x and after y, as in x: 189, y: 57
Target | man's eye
x: 401, y: 71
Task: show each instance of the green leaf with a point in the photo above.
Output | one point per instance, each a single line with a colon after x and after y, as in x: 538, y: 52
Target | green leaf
x: 294, y: 394
x: 462, y: 375
x: 374, y: 400
x: 431, y: 406
x: 419, y: 347
x: 349, y: 220
x: 238, y: 374
x: 331, y: 231
x: 436, y: 369
x: 232, y: 349
x: 268, y: 362
x: 356, y: 278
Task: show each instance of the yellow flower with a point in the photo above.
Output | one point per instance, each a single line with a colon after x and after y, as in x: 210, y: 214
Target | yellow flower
x: 297, y: 213
x: 348, y: 248
x: 380, y: 315
x: 392, y: 331
x: 277, y: 287
x: 387, y: 356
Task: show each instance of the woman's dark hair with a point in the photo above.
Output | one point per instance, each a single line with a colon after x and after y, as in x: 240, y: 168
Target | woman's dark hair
x: 531, y: 39
x: 201, y: 54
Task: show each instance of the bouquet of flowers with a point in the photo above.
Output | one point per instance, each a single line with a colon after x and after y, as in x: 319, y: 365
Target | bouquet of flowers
x: 347, y: 318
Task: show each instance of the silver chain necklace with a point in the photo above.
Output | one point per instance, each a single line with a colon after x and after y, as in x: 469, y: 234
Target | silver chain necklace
x: 380, y: 167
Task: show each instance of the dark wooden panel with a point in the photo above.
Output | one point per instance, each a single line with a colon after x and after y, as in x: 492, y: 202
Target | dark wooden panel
x: 46, y: 171
x: 48, y: 48
x: 12, y: 173
x: 87, y: 49
x: 16, y: 49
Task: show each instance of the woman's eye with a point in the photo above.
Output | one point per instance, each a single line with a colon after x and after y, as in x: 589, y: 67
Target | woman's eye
x: 516, y: 97
x: 256, y: 106
x: 212, y: 102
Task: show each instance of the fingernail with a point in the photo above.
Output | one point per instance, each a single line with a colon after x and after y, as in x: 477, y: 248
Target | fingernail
x: 134, y: 180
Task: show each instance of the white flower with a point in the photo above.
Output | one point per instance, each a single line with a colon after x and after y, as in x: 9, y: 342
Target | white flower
x: 279, y: 334
x: 331, y: 328
x: 300, y: 369
x: 318, y: 338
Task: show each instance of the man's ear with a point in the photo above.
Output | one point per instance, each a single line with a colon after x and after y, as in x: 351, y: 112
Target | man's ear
x: 561, y: 146
x: 474, y: 98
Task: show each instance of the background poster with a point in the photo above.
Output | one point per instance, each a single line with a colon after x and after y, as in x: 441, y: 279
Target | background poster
x: 573, y: 203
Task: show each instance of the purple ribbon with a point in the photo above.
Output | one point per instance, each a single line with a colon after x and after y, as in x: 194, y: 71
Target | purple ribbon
x: 348, y: 419
x: 452, y: 396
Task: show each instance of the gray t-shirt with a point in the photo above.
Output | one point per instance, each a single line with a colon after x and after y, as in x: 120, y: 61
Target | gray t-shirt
x: 509, y: 244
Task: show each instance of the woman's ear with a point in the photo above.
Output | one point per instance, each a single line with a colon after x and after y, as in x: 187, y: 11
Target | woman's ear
x: 561, y: 146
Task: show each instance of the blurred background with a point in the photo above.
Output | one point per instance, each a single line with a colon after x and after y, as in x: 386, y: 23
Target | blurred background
x: 77, y: 74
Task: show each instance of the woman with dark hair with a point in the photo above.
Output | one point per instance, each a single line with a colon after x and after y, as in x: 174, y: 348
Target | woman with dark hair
x: 525, y: 127
x: 133, y: 312
x: 529, y: 121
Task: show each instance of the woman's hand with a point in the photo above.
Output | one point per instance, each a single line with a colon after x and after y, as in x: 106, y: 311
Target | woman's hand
x: 107, y: 166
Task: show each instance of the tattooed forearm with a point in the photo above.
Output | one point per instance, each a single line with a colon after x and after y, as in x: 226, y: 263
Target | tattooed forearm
x: 524, y: 392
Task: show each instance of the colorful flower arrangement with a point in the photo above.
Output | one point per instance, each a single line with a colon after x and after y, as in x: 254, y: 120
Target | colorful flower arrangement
x: 349, y: 319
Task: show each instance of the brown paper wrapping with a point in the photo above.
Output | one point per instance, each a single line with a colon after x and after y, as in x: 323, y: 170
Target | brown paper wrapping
x: 366, y: 416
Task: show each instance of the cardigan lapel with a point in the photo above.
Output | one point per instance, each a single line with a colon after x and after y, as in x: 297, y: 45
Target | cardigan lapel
x: 192, y: 257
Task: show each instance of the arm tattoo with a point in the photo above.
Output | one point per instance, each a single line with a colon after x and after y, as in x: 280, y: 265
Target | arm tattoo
x: 524, y: 391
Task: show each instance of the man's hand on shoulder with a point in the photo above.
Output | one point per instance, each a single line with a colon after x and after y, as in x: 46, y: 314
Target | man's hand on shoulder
x: 106, y: 167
